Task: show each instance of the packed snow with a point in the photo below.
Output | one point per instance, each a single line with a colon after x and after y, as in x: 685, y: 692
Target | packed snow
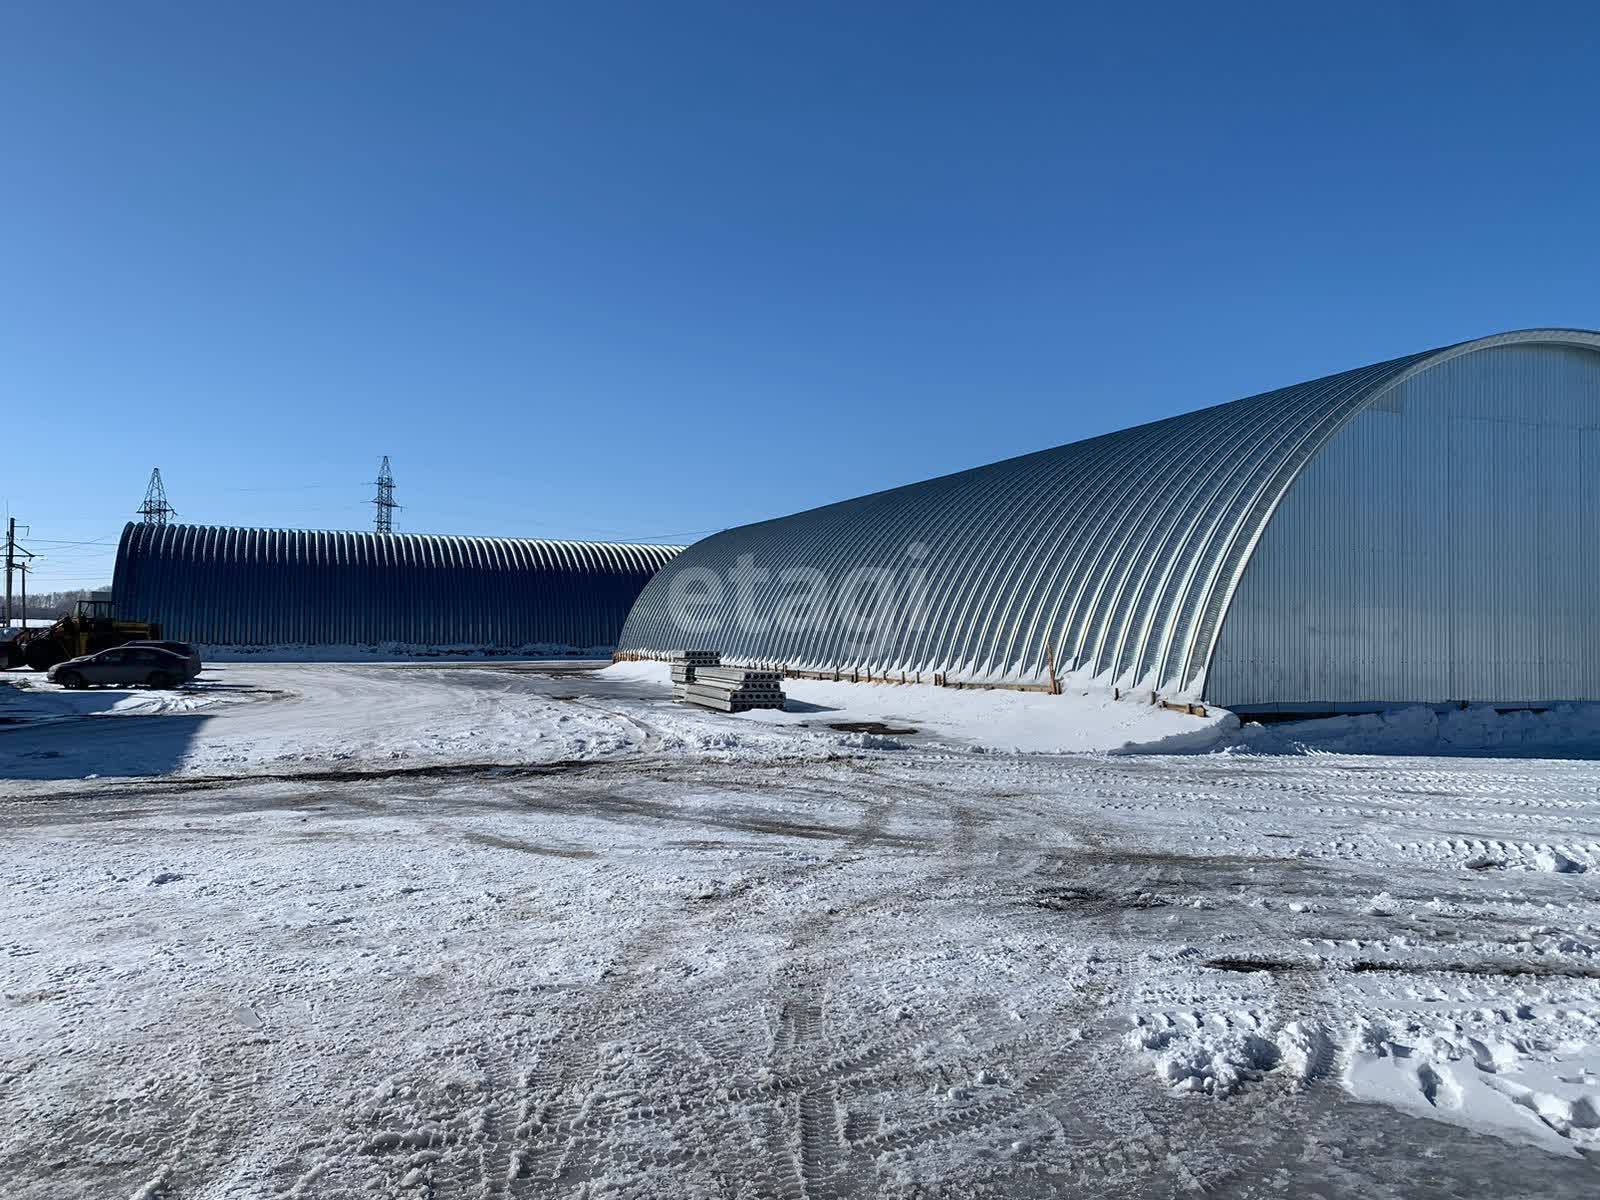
x: 534, y: 929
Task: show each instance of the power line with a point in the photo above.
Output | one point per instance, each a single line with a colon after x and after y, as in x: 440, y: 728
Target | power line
x: 292, y: 487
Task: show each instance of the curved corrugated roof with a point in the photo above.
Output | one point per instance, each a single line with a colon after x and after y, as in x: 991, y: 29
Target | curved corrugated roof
x: 1116, y: 556
x: 227, y: 586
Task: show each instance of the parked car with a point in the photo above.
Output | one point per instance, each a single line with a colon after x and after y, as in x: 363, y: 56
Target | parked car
x: 182, y: 649
x: 125, y: 665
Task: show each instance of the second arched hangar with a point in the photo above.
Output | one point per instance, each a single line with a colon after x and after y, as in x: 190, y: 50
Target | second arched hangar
x: 1423, y: 530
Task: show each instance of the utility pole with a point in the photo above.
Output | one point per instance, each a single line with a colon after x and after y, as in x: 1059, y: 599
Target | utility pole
x: 155, y: 510
x: 12, y: 550
x: 384, y: 522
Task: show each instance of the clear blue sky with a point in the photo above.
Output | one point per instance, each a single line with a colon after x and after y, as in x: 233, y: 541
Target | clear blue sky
x: 648, y: 270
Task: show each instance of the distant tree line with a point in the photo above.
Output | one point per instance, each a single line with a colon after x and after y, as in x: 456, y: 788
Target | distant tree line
x: 48, y: 605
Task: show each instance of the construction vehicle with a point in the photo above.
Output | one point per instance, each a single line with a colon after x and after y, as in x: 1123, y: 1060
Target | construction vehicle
x: 91, y: 628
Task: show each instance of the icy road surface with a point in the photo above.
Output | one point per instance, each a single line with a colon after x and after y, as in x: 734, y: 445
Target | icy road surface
x: 403, y: 932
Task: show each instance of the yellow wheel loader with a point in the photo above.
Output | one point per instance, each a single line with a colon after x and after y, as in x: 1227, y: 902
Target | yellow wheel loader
x: 92, y: 627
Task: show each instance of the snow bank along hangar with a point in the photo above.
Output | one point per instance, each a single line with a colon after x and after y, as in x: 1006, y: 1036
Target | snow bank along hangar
x: 1422, y: 530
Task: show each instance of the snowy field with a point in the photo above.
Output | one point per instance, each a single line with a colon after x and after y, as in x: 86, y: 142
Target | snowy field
x: 525, y: 930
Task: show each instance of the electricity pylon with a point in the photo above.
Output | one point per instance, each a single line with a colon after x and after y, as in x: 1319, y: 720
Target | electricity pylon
x: 155, y: 510
x: 384, y: 522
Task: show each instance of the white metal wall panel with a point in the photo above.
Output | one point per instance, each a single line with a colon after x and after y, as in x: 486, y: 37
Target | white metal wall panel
x: 1441, y: 547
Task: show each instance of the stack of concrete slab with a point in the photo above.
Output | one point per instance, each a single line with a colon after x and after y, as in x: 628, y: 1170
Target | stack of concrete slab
x: 732, y: 689
x: 685, y: 663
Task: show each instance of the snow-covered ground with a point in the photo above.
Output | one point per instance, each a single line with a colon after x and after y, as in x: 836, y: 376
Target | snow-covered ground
x: 526, y: 930
x: 282, y: 716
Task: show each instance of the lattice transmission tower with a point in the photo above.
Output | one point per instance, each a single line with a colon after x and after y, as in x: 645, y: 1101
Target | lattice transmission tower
x: 384, y: 522
x: 155, y: 510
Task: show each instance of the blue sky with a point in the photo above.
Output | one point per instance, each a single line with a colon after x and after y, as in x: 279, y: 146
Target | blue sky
x: 648, y: 270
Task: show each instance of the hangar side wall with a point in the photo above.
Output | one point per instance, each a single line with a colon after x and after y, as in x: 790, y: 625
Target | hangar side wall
x: 276, y: 587
x: 1444, y: 546
x: 1113, y: 557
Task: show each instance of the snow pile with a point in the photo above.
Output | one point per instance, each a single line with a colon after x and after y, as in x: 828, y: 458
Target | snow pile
x: 1482, y: 1074
x: 1476, y: 1069
x: 1551, y: 859
x: 1303, y: 1050
x: 1214, y: 1053
x: 1422, y: 730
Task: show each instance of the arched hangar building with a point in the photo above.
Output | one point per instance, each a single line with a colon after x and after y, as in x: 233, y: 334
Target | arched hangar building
x: 1424, y: 530
x: 294, y: 587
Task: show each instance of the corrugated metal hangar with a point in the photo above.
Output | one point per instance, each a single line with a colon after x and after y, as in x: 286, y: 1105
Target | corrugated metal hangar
x: 1422, y: 530
x: 294, y: 587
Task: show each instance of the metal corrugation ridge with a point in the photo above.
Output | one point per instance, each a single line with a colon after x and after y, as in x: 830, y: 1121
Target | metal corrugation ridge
x: 219, y: 585
x: 1115, y: 557
x: 1021, y: 555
